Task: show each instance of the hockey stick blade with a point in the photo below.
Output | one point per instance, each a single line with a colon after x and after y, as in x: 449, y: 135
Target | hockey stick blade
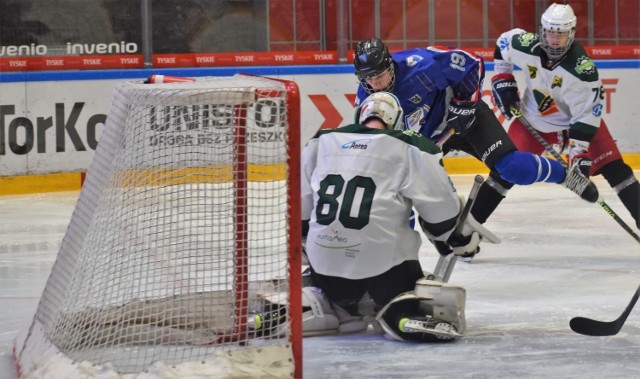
x: 590, y: 327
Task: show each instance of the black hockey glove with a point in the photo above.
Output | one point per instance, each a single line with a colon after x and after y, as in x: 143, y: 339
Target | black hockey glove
x: 505, y: 94
x: 464, y: 245
x: 462, y: 115
x: 583, y: 162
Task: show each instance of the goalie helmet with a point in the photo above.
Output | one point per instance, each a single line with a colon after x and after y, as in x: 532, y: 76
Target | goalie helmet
x: 383, y: 106
x: 372, y: 59
x: 557, y: 30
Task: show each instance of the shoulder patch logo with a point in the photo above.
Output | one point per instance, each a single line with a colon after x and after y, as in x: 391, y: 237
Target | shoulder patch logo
x: 503, y: 43
x: 414, y: 118
x: 527, y: 38
x: 533, y: 71
x: 585, y: 65
x: 413, y: 60
x: 597, y: 110
x: 557, y: 82
x: 416, y: 99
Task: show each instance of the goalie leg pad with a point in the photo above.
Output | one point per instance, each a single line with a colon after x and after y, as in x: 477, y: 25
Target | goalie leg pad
x: 446, y: 302
x: 318, y: 317
x: 349, y: 323
x: 441, y: 318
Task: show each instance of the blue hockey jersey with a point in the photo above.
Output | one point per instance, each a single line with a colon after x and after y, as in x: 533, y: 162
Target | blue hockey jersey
x: 427, y: 79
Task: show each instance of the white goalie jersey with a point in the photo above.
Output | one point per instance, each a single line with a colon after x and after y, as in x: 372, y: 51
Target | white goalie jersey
x: 358, y: 188
x: 558, y: 95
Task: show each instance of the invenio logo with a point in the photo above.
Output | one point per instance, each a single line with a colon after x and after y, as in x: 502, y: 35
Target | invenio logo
x: 121, y: 47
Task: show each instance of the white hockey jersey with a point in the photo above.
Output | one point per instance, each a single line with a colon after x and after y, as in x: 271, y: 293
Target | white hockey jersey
x: 558, y: 95
x: 358, y: 188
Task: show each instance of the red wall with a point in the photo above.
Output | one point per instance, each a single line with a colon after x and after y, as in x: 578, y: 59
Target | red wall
x: 449, y: 28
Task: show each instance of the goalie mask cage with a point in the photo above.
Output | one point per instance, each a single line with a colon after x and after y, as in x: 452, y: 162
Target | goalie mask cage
x: 186, y: 228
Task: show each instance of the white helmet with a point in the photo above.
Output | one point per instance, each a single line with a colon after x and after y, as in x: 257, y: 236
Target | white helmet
x: 558, y: 19
x: 384, y: 106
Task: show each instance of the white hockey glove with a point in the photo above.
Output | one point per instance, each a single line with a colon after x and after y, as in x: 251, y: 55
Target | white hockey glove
x: 467, y: 241
x: 579, y: 156
x: 504, y: 89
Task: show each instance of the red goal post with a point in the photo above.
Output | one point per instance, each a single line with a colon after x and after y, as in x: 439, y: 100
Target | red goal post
x: 185, y: 236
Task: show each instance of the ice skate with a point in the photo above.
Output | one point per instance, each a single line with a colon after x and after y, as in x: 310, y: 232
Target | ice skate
x: 580, y: 184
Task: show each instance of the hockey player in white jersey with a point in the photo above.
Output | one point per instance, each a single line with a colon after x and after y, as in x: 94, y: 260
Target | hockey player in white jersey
x: 563, y: 100
x: 359, y: 184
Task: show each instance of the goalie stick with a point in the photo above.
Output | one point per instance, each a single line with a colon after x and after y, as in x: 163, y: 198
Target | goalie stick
x: 590, y: 327
x: 558, y: 157
x: 445, y: 264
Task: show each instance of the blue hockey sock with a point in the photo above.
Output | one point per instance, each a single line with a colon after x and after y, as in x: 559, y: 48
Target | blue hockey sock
x: 524, y: 168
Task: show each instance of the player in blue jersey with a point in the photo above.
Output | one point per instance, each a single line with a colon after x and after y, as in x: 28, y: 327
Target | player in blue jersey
x: 440, y: 92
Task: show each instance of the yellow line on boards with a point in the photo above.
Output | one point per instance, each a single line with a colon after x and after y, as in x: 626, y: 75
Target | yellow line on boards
x: 24, y: 184
x: 72, y: 181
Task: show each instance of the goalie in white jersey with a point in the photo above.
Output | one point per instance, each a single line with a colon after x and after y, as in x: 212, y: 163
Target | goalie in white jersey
x: 359, y: 184
x: 563, y: 100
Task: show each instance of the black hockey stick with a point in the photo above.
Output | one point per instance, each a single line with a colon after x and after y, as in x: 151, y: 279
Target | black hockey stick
x: 559, y: 158
x: 445, y: 264
x: 591, y: 327
x: 583, y: 325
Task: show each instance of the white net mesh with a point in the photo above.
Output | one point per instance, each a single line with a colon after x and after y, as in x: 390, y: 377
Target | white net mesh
x: 180, y: 228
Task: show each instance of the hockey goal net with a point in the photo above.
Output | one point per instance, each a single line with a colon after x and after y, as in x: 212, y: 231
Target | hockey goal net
x: 182, y: 254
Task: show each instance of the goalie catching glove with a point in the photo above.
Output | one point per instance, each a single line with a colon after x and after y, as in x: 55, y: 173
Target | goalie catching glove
x: 504, y: 89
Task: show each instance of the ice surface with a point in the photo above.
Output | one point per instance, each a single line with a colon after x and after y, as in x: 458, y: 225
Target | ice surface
x: 560, y: 257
